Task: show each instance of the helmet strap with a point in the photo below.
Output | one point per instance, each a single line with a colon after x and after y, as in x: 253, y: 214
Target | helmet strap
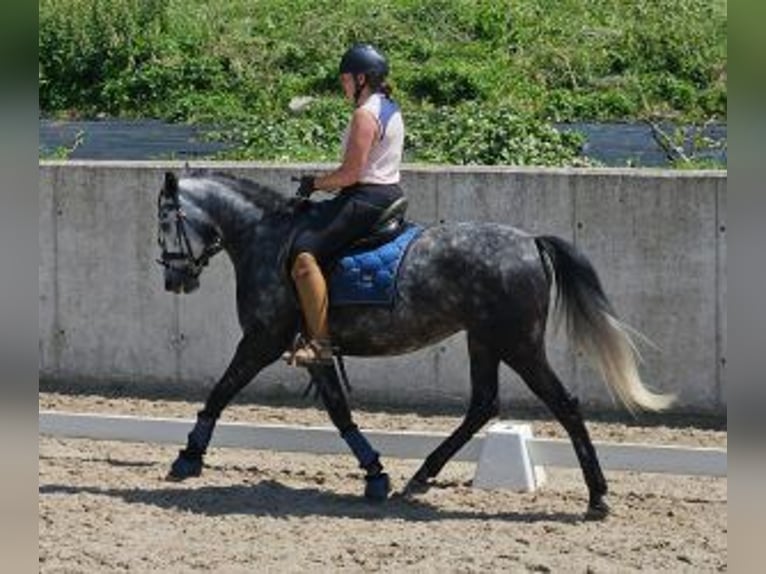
x: 358, y: 87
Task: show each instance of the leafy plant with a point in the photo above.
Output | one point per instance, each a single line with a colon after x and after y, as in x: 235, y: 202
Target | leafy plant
x: 64, y: 151
x: 494, y: 72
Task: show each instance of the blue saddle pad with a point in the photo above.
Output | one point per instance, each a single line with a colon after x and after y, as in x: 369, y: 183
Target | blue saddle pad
x: 367, y: 276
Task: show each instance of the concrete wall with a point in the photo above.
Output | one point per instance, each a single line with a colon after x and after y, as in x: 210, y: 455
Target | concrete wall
x: 657, y: 239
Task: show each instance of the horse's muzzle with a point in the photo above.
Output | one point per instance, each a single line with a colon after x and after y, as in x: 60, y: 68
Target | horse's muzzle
x: 177, y: 281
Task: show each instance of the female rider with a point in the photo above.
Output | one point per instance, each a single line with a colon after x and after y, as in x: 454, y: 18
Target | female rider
x: 366, y: 183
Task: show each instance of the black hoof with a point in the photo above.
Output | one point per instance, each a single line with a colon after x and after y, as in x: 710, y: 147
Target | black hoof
x: 597, y: 510
x: 377, y: 487
x: 415, y: 486
x: 184, y: 467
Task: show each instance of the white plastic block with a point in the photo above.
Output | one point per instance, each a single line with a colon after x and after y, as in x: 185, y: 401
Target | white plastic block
x: 504, y: 461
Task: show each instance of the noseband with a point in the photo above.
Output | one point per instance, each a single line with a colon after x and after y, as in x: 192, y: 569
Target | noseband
x: 194, y: 265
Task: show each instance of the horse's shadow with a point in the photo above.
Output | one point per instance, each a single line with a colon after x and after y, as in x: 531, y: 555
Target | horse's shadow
x: 272, y: 498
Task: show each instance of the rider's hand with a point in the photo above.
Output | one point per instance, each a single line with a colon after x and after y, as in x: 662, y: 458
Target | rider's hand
x: 306, y: 187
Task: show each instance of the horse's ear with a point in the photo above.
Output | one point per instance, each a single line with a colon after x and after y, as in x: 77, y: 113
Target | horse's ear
x: 170, y: 188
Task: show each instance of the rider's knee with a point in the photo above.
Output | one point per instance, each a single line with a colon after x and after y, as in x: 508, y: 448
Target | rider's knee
x: 304, y: 264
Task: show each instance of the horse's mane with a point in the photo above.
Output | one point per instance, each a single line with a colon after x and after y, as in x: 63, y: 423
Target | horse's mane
x: 262, y: 196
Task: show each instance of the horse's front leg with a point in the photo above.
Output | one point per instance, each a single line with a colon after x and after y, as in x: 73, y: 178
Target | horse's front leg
x: 255, y: 351
x: 377, y: 483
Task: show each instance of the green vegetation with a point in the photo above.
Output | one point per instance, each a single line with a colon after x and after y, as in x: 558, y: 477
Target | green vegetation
x: 62, y: 151
x: 479, y: 81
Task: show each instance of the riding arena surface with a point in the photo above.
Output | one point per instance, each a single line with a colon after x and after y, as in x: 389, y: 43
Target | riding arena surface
x: 105, y: 506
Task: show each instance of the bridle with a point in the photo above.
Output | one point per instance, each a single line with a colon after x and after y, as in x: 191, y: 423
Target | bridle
x: 194, y: 265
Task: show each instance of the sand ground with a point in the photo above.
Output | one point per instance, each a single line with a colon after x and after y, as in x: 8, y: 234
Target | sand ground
x: 104, y: 507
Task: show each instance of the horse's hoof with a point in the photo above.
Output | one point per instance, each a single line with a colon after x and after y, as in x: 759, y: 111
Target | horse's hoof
x: 415, y: 486
x: 597, y: 510
x: 377, y: 487
x: 184, y: 467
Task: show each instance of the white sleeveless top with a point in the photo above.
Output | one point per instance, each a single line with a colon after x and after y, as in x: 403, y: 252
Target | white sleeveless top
x: 386, y: 153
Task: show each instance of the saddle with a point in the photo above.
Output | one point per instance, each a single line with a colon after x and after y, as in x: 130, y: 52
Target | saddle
x: 389, y: 225
x: 365, y: 274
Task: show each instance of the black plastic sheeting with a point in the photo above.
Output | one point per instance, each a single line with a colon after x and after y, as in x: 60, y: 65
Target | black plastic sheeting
x: 612, y: 144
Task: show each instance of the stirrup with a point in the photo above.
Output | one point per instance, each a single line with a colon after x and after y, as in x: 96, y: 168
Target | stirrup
x: 309, y: 352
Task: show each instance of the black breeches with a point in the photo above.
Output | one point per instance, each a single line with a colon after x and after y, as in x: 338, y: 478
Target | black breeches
x: 338, y: 222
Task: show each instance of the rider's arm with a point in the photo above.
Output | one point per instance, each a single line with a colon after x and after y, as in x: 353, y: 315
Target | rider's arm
x: 362, y: 134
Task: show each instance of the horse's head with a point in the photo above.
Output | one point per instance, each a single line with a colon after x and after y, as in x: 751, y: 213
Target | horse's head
x: 186, y: 236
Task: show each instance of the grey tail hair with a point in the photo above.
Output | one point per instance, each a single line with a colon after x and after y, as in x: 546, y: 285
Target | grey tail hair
x: 594, y: 326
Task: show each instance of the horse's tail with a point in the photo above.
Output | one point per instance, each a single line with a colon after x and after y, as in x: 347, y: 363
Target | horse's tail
x: 593, y: 324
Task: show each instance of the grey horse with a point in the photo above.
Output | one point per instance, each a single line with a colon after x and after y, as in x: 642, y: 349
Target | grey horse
x: 492, y: 281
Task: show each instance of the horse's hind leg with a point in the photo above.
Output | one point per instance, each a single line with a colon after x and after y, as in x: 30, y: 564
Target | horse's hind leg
x: 483, y: 406
x: 542, y: 380
x: 327, y: 381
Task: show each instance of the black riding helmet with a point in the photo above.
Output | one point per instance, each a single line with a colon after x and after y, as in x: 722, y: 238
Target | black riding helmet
x: 366, y: 60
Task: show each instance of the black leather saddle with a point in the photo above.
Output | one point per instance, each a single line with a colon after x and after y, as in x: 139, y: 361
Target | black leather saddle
x: 387, y: 227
